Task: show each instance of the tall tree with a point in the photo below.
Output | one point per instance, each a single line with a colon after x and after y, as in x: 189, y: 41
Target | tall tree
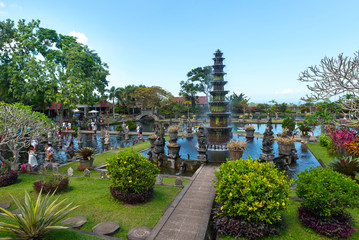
x: 335, y: 77
x: 18, y: 125
x: 40, y: 66
x: 198, y: 80
x: 112, y: 92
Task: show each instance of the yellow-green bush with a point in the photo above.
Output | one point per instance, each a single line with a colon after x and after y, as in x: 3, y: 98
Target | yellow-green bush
x: 131, y: 172
x: 251, y: 190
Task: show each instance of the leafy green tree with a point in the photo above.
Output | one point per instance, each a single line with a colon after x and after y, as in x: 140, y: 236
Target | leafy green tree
x: 39, y: 66
x: 198, y: 81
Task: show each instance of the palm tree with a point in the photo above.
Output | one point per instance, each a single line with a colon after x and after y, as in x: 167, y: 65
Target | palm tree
x: 112, y: 95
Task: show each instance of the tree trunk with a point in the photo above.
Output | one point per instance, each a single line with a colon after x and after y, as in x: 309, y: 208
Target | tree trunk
x: 113, y: 107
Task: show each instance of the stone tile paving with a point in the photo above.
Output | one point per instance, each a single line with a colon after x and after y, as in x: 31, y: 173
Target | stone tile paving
x: 188, y: 215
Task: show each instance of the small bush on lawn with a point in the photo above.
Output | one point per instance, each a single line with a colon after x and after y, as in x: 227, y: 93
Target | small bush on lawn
x: 337, y: 226
x: 132, y: 175
x: 326, y: 192
x: 324, y: 140
x: 7, y: 177
x: 253, y: 192
x: 51, y: 183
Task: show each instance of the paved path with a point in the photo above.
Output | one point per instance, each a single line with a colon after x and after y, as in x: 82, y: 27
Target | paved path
x: 188, y: 215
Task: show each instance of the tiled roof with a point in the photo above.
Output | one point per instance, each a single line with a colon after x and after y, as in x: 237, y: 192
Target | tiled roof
x: 201, y: 100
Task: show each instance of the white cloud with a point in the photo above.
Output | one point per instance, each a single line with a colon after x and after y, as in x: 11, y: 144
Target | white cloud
x: 287, y: 91
x: 15, y: 6
x: 81, y: 37
x: 2, y: 4
x: 2, y: 13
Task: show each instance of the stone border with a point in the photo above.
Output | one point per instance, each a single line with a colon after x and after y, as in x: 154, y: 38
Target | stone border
x: 172, y: 206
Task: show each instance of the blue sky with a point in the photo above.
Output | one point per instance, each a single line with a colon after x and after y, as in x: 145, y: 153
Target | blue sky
x: 156, y: 42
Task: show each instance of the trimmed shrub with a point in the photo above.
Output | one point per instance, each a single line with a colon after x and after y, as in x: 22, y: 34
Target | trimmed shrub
x: 119, y: 128
x: 131, y: 198
x: 131, y: 173
x: 326, y: 192
x: 324, y: 140
x: 252, y: 191
x: 337, y: 226
x: 51, y: 183
x: 131, y: 125
x: 7, y: 178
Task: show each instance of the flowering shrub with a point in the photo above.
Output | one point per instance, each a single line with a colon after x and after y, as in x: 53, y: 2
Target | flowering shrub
x: 51, y: 183
x: 324, y: 140
x: 326, y: 192
x: 7, y: 178
x: 338, y: 226
x: 251, y: 191
x: 353, y: 147
x: 23, y: 168
x: 341, y: 136
x: 131, y: 173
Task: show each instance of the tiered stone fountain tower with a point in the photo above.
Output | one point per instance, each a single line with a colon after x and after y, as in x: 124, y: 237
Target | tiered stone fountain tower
x: 219, y: 133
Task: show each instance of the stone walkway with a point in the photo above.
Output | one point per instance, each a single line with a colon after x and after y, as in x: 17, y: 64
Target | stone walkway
x: 188, y: 215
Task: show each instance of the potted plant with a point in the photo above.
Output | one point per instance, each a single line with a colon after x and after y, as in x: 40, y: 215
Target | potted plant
x: 288, y: 124
x: 173, y: 149
x: 152, y: 140
x: 236, y: 148
x: 86, y: 159
x: 173, y: 131
x: 285, y: 144
x: 305, y: 129
x: 249, y: 131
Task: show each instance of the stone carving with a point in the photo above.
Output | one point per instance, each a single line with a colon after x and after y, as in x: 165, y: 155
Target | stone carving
x: 159, y: 180
x: 267, y: 149
x: 87, y: 173
x: 70, y: 172
x: 178, y: 182
x: 202, y: 138
x: 202, y: 144
x: 55, y: 170
x: 107, y: 138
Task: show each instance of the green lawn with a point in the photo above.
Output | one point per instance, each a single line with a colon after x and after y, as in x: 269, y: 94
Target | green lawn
x: 95, y: 203
x: 320, y: 152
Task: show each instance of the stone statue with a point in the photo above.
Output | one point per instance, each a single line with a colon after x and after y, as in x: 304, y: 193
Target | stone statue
x: 201, y: 138
x: 70, y: 172
x: 107, y: 138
